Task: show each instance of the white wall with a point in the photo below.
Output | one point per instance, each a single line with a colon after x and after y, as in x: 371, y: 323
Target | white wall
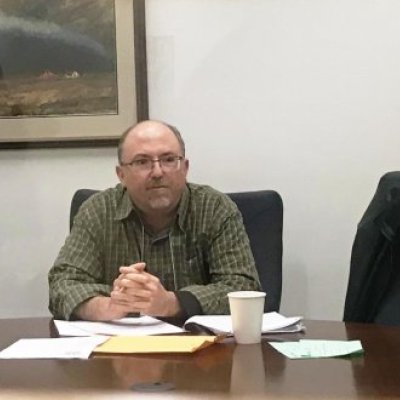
x: 298, y: 96
x: 36, y: 195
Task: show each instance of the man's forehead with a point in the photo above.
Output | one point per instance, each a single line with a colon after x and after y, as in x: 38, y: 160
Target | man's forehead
x: 151, y: 136
x: 150, y: 126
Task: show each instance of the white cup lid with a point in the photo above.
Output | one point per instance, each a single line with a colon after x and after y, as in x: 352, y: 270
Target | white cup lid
x: 246, y: 294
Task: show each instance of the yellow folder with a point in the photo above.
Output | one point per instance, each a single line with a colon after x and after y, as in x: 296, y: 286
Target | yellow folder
x: 156, y: 344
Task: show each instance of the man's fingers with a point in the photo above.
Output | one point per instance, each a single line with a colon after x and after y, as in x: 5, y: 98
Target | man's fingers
x: 137, y: 304
x: 140, y: 292
x: 133, y: 268
x: 132, y: 295
x: 129, y: 273
x: 133, y: 281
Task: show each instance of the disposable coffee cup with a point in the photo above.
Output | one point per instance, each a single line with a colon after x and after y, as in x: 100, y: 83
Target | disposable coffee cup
x: 247, y: 309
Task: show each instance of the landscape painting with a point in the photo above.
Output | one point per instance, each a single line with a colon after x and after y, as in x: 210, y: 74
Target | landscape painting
x: 72, y: 72
x: 57, y: 58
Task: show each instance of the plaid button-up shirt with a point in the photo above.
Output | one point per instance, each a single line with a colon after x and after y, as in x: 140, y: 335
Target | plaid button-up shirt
x: 206, y: 251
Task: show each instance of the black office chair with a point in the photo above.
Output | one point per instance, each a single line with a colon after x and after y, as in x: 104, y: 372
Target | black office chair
x: 262, y: 213
x: 373, y: 292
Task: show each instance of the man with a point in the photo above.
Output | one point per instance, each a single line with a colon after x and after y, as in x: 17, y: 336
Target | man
x: 154, y: 244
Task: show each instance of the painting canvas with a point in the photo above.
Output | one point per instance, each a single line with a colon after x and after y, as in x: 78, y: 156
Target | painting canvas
x: 67, y: 69
x: 57, y: 63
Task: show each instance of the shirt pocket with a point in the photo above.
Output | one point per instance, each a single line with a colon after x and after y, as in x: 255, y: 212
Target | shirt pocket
x: 196, y: 271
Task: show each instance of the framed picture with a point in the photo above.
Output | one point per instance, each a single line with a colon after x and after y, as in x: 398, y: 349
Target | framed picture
x: 72, y: 73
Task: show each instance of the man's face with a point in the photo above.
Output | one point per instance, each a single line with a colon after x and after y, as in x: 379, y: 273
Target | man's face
x: 155, y: 189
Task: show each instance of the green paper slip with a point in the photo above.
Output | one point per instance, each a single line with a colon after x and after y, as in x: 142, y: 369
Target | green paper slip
x: 307, y: 348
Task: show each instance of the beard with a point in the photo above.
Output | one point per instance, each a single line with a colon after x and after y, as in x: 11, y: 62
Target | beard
x: 160, y: 201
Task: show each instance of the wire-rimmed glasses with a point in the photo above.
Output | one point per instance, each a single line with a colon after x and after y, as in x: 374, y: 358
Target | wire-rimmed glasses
x: 167, y: 163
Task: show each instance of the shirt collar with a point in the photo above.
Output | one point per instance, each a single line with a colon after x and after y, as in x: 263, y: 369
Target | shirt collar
x: 124, y: 204
x: 183, y: 207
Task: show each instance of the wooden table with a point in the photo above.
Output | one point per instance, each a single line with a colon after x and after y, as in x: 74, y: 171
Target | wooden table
x: 222, y: 371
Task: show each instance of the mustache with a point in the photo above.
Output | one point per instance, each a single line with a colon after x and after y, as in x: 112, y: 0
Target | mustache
x: 156, y: 184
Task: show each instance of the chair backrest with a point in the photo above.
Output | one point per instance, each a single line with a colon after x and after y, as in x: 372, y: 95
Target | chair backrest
x: 262, y: 213
x: 373, y: 292
x: 80, y: 196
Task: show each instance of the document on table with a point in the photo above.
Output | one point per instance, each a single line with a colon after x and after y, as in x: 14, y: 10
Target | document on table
x: 318, y: 348
x: 65, y: 348
x: 156, y: 344
x: 137, y: 326
x: 273, y: 322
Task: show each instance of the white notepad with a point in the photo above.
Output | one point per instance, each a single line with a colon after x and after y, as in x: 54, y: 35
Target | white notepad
x: 138, y: 326
x: 273, y: 322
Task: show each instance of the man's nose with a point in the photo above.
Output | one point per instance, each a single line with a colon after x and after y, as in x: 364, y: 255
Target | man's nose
x: 156, y: 169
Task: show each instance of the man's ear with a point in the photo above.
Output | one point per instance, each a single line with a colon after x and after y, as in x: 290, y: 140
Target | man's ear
x: 186, y: 164
x: 120, y: 173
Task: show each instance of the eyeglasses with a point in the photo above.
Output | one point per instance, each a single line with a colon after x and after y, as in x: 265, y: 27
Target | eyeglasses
x: 167, y: 163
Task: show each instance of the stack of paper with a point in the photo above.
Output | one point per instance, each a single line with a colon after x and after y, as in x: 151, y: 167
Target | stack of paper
x: 82, y: 347
x: 64, y: 348
x: 273, y: 322
x: 86, y: 336
x: 138, y: 326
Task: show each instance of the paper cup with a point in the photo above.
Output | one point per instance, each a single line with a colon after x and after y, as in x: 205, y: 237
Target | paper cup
x: 247, y: 309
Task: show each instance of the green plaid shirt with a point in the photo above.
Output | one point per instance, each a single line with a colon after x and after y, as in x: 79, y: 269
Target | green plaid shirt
x: 206, y: 252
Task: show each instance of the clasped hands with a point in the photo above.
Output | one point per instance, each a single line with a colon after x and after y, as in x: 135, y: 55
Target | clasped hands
x: 136, y: 290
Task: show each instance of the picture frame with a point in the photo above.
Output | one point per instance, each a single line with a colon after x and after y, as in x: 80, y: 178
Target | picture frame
x: 96, y: 129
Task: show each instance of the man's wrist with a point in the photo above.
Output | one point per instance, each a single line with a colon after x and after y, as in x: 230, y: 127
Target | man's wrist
x: 174, y: 308
x: 98, y: 308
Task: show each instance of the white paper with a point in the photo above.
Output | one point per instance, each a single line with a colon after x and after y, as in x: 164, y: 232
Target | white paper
x: 273, y: 322
x: 64, y: 348
x: 139, y: 326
